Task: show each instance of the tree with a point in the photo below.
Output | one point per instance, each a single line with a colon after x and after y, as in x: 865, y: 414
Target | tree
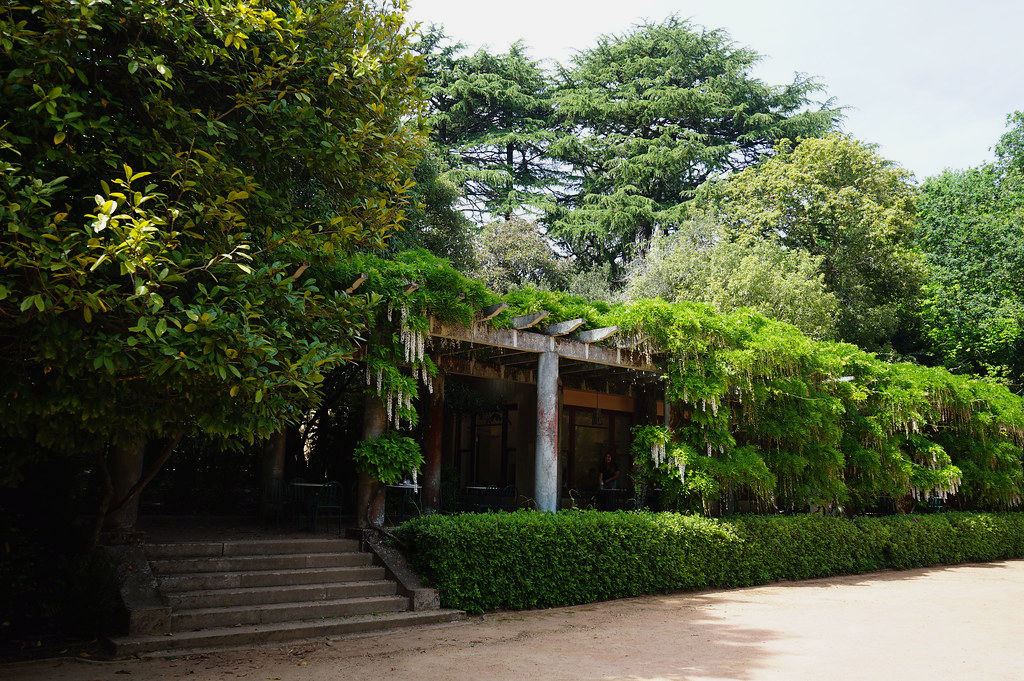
x: 699, y: 263
x: 434, y: 221
x: 836, y: 199
x: 177, y: 183
x: 973, y: 240
x: 514, y: 253
x: 491, y: 114
x: 653, y: 114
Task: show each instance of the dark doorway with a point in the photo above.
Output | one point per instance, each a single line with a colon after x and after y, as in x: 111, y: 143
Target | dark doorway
x: 588, y: 435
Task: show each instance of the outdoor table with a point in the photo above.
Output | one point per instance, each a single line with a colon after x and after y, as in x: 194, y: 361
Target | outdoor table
x: 489, y: 496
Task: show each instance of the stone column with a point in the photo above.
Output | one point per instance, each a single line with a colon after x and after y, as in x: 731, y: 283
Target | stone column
x: 432, y: 438
x: 370, y: 494
x: 545, y: 488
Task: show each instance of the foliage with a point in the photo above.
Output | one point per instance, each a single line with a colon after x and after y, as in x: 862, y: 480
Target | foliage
x: 434, y: 221
x: 491, y: 114
x: 836, y: 199
x: 525, y: 559
x: 657, y: 460
x: 970, y: 233
x: 796, y: 421
x: 653, y: 113
x: 388, y: 458
x: 700, y: 263
x: 513, y: 253
x: 397, y: 344
x: 167, y: 174
x: 595, y: 283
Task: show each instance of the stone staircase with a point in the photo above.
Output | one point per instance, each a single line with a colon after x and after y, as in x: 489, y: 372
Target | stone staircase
x: 225, y: 594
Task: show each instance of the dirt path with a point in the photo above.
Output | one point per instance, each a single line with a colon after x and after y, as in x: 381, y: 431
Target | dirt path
x: 941, y: 624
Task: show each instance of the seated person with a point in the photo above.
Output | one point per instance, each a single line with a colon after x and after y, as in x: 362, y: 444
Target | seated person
x: 608, y: 475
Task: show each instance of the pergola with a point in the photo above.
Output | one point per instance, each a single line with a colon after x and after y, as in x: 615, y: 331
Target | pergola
x: 531, y: 352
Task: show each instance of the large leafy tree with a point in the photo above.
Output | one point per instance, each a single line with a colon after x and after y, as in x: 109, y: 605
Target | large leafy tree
x: 653, y: 114
x: 176, y: 183
x: 490, y: 116
x: 700, y: 263
x: 838, y: 200
x: 434, y: 220
x: 514, y: 253
x: 972, y: 235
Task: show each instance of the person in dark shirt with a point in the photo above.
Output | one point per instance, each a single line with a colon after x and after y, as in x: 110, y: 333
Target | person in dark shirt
x: 608, y: 475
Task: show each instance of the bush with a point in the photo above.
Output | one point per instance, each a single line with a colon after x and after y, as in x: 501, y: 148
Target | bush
x: 526, y: 559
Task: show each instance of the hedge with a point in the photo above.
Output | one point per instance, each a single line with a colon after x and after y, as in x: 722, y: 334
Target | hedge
x: 490, y: 561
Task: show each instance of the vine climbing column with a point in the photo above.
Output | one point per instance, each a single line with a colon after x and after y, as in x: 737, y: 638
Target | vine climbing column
x: 546, y: 462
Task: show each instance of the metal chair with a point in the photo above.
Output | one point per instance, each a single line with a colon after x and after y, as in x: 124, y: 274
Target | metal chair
x: 327, y: 498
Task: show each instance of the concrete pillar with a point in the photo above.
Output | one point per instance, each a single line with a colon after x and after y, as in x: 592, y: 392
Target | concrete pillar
x: 545, y: 486
x: 370, y: 494
x: 432, y: 438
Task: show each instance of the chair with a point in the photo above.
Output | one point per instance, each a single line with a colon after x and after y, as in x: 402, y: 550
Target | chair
x: 508, y: 498
x: 935, y: 504
x: 327, y: 498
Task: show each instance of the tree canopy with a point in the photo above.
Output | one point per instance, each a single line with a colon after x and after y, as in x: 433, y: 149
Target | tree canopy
x: 702, y: 264
x: 176, y: 185
x: 836, y: 199
x: 514, y: 253
x: 653, y: 114
x: 972, y: 237
x: 491, y: 116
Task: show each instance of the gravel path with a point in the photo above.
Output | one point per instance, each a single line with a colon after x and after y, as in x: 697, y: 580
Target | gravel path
x: 939, y: 624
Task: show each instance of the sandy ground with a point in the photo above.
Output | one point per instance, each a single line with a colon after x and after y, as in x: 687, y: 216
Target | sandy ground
x: 939, y: 624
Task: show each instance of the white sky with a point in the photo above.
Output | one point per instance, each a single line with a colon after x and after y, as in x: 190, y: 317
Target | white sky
x: 930, y: 82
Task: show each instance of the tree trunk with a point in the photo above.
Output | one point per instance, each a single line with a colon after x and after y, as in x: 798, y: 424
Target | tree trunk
x: 125, y: 466
x: 370, y: 495
x: 272, y: 465
x: 370, y: 500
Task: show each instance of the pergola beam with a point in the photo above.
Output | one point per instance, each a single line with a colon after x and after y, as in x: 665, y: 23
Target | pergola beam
x: 527, y: 341
x: 564, y: 328
x: 595, y: 335
x: 527, y: 320
x: 492, y: 311
x: 360, y: 278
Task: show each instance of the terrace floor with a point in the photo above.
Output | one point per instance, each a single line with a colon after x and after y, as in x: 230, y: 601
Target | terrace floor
x: 950, y: 623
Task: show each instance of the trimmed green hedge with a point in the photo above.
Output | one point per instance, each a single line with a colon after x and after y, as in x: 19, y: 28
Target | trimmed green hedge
x: 527, y: 559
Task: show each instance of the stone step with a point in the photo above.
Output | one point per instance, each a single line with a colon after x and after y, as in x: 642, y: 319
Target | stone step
x: 245, y: 636
x: 283, y: 561
x: 249, y: 547
x: 211, y: 618
x: 222, y: 598
x: 259, y: 578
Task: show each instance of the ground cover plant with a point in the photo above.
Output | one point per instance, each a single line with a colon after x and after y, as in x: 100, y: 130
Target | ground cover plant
x: 488, y: 561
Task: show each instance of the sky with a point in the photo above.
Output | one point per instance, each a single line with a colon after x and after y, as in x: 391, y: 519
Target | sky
x: 929, y: 82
